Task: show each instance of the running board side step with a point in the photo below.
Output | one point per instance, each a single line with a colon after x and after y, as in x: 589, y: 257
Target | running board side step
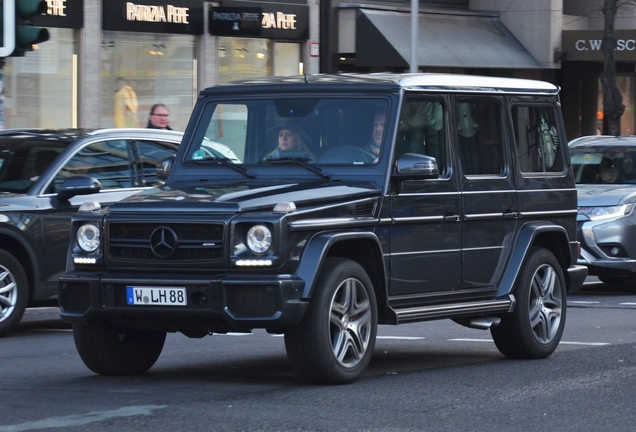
x: 457, y: 310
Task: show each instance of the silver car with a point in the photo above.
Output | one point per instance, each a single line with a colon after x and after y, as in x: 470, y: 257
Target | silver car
x: 605, y: 171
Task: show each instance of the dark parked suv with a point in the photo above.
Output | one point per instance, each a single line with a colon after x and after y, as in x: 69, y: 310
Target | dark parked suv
x: 352, y: 201
x: 39, y: 193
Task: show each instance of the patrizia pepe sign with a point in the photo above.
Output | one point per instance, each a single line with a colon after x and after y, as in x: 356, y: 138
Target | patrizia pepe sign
x: 268, y: 20
x: 157, y: 13
x: 62, y: 13
x: 158, y: 16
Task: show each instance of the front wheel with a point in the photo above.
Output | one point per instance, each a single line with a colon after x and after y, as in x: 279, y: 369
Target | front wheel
x: 110, y: 351
x: 534, y: 329
x: 334, y: 342
x: 13, y: 292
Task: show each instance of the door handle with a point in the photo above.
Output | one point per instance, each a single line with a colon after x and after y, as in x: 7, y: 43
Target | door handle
x: 451, y: 218
x: 511, y: 215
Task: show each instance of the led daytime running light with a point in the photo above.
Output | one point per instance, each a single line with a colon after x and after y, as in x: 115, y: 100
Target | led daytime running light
x: 253, y: 263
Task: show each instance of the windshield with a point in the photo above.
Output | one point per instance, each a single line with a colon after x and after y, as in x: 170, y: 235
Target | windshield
x: 21, y: 165
x: 604, y: 164
x: 330, y: 131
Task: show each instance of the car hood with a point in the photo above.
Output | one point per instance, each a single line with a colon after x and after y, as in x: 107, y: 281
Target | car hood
x: 605, y: 195
x: 240, y: 197
x: 13, y: 202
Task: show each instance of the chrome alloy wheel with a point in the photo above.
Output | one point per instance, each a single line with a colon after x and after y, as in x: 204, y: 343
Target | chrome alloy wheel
x: 350, y: 324
x: 8, y: 293
x: 545, y: 302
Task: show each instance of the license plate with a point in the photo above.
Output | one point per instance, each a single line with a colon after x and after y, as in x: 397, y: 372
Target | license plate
x: 156, y: 296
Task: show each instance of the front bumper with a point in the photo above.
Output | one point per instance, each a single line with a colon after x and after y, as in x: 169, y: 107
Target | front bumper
x: 598, y: 240
x: 220, y: 302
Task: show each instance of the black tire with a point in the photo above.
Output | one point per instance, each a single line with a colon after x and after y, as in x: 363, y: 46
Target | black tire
x: 534, y: 329
x: 109, y: 351
x: 14, y: 292
x: 334, y: 342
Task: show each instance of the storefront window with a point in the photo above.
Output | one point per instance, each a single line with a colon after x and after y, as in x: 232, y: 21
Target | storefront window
x: 625, y: 85
x: 287, y: 59
x: 246, y: 58
x: 142, y: 69
x: 243, y: 58
x: 39, y: 87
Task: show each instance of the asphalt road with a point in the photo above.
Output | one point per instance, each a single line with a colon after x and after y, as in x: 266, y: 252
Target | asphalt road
x: 432, y: 376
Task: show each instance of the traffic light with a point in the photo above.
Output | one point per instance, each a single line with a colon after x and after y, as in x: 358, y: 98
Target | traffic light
x: 7, y: 32
x: 26, y: 35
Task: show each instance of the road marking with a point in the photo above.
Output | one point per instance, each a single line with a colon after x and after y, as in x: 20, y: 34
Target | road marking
x: 383, y: 337
x: 50, y: 330
x: 582, y: 302
x: 585, y: 343
x: 233, y: 334
x: 82, y: 419
x: 628, y: 304
x: 562, y: 342
x: 400, y: 337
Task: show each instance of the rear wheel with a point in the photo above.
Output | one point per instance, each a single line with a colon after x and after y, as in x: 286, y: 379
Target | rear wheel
x: 334, y: 342
x: 109, y: 351
x: 14, y: 292
x: 534, y: 329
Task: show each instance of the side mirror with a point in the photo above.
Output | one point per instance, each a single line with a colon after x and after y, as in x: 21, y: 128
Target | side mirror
x: 413, y: 166
x: 164, y: 167
x: 79, y: 185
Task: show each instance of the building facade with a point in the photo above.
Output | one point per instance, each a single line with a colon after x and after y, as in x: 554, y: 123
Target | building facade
x: 108, y: 61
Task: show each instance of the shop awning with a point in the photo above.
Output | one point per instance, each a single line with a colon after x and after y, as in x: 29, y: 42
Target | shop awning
x: 383, y: 39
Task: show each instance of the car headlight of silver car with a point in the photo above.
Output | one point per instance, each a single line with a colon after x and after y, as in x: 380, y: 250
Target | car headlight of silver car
x: 259, y: 239
x: 607, y: 212
x: 88, y: 237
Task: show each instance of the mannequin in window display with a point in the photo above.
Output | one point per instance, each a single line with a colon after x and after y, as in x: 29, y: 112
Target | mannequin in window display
x: 126, y: 106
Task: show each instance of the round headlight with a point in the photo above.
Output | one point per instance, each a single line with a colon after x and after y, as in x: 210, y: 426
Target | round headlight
x: 259, y: 238
x: 88, y: 237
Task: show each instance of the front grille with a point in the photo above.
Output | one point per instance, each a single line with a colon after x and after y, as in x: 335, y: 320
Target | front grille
x: 196, y: 241
x: 75, y: 296
x: 249, y: 301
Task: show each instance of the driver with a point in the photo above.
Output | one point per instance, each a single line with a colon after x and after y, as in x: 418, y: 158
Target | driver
x: 292, y: 142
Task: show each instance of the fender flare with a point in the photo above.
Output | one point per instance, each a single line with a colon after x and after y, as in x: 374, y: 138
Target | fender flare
x: 524, y: 241
x: 317, y: 250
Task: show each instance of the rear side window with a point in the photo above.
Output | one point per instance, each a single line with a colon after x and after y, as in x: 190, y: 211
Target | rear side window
x: 537, y: 138
x: 479, y: 133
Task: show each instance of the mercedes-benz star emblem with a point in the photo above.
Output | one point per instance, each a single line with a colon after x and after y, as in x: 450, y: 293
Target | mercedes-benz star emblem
x: 164, y: 242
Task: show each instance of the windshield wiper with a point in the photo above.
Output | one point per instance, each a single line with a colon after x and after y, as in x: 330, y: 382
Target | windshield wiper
x: 227, y: 163
x: 300, y: 162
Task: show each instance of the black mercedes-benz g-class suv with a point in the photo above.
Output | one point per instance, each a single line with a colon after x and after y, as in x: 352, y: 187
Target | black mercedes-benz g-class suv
x: 321, y: 206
